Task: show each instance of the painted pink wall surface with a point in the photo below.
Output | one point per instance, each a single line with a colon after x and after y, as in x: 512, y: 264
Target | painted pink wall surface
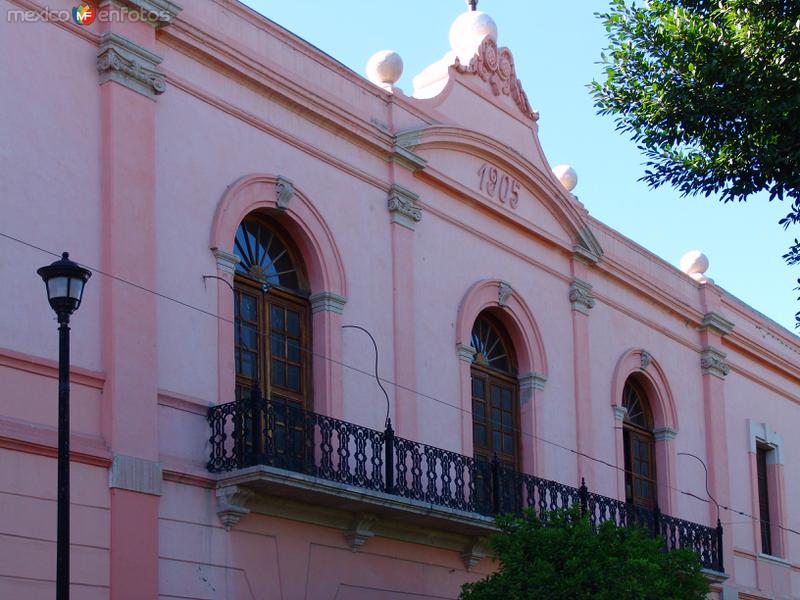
x: 142, y: 165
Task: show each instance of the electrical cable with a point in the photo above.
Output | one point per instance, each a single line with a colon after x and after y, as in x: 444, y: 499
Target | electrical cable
x: 396, y: 385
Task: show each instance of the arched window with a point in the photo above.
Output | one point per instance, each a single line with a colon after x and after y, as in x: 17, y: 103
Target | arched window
x: 495, y: 393
x: 271, y: 329
x: 639, y: 447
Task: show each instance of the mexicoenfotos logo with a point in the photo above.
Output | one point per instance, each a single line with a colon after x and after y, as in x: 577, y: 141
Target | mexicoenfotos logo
x: 84, y: 14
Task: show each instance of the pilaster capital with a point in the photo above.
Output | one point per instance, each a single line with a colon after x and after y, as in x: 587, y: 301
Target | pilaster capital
x: 532, y: 381
x: 665, y: 434
x: 226, y: 261
x: 328, y: 302
x: 712, y: 362
x: 135, y: 474
x: 125, y: 62
x: 580, y: 296
x: 466, y: 353
x: 402, y: 205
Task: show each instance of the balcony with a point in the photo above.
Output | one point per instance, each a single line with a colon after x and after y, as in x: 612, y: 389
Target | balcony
x: 273, y: 448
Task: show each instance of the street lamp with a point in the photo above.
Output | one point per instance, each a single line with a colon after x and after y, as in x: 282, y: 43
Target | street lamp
x: 64, y: 280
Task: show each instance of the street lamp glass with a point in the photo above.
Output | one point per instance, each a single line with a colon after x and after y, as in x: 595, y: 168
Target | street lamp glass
x: 65, y: 281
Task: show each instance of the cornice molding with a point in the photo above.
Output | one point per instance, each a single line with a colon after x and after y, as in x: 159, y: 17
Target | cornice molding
x: 158, y: 12
x: 127, y: 63
x: 716, y: 323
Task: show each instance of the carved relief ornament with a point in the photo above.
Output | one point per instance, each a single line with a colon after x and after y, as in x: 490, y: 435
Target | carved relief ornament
x: 496, y: 67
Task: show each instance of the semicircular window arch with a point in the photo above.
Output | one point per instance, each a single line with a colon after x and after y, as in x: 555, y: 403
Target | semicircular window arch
x: 264, y: 256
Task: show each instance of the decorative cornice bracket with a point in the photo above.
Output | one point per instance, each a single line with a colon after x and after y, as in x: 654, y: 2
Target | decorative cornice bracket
x: 474, y: 553
x: 231, y: 504
x: 360, y: 530
x: 127, y: 63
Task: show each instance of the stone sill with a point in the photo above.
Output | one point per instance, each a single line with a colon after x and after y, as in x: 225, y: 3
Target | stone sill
x: 776, y: 560
x: 359, y: 512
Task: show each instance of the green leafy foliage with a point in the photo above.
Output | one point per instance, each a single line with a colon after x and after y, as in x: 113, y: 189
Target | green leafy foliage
x: 565, y: 559
x: 710, y: 92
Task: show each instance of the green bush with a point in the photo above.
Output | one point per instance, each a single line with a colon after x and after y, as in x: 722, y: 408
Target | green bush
x: 565, y: 559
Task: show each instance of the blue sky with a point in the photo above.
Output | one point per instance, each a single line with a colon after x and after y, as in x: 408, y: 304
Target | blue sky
x: 556, y: 46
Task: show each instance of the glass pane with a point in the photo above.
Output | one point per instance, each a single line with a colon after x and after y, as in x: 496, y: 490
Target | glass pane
x: 278, y: 373
x: 248, y: 308
x: 479, y: 432
x: 506, y: 399
x: 249, y: 364
x: 478, y: 388
x: 507, y: 421
x: 508, y: 444
x: 249, y: 337
x: 294, y: 350
x: 294, y: 378
x: 495, y: 396
x: 490, y: 349
x: 478, y: 410
x: 496, y: 440
x: 278, y: 345
x: 293, y: 323
x: 264, y: 256
x: 277, y: 321
x: 496, y: 418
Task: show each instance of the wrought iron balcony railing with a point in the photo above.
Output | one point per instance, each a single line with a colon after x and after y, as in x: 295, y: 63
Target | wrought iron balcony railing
x: 279, y: 433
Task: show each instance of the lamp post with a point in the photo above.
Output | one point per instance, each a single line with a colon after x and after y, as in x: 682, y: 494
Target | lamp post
x: 64, y: 280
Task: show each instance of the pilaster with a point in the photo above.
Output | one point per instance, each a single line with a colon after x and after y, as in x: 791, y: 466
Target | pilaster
x: 582, y: 301
x: 129, y: 84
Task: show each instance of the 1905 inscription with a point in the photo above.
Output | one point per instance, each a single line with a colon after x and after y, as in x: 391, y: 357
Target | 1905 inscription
x: 496, y: 184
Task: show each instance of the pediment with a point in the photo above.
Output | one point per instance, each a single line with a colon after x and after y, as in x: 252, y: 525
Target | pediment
x: 477, y: 167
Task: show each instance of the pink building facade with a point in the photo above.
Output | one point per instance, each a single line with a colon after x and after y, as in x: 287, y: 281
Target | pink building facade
x: 242, y: 199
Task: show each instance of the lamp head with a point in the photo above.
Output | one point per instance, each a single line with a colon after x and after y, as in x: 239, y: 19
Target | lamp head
x: 64, y: 280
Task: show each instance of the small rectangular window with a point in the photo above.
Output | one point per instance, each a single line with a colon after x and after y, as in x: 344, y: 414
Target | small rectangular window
x: 762, y: 453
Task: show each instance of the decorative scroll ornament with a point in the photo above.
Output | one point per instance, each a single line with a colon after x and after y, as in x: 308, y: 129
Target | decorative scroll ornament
x: 712, y: 362
x: 129, y: 64
x: 284, y: 190
x: 496, y: 67
x: 402, y: 205
x: 504, y: 292
x: 645, y: 359
x: 580, y: 295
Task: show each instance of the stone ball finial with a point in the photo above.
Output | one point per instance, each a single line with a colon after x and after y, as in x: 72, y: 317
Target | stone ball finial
x: 385, y: 68
x: 567, y: 176
x: 694, y: 263
x: 469, y: 29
